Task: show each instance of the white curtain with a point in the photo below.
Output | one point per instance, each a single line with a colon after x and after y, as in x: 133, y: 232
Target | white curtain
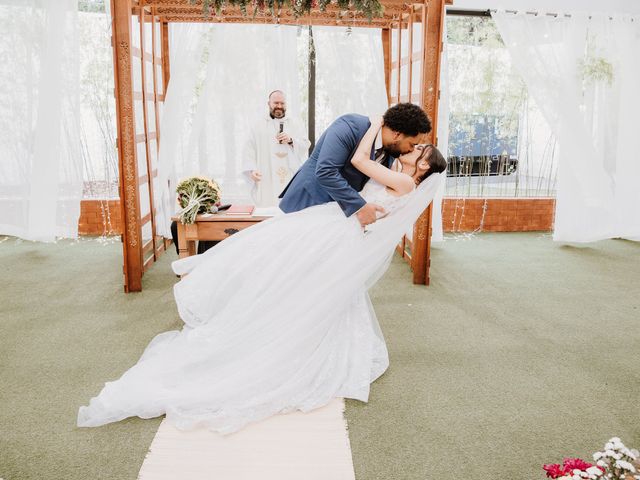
x: 349, y: 73
x: 437, y: 234
x: 583, y: 72
x: 40, y: 162
x: 220, y: 82
x: 186, y: 47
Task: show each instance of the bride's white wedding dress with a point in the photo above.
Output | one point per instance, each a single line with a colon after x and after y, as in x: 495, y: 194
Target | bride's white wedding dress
x: 277, y: 319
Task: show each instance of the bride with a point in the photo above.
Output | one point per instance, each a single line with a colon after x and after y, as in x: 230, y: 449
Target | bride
x: 277, y: 317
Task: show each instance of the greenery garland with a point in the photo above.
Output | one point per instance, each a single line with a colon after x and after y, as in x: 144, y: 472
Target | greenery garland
x: 369, y: 8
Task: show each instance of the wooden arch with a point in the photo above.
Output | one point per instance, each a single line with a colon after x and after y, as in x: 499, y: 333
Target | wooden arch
x: 412, y: 41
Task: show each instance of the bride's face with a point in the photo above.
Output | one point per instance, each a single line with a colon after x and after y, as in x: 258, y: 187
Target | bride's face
x: 408, y: 160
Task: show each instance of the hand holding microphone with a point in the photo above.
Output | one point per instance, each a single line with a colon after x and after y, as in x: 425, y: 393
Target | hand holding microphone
x: 282, y: 137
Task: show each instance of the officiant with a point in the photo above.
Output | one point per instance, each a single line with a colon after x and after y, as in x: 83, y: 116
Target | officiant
x: 275, y: 149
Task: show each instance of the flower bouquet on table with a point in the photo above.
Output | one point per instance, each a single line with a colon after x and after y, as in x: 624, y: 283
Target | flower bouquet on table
x: 614, y: 462
x: 197, y: 195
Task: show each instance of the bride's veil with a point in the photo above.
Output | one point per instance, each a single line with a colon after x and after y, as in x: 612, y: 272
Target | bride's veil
x: 372, y: 260
x: 385, y: 234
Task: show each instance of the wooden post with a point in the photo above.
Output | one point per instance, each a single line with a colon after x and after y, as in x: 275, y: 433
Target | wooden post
x: 432, y: 27
x: 386, y: 50
x: 160, y: 244
x: 128, y: 169
x: 399, y: 65
x: 145, y: 118
x: 166, y: 71
x: 410, y: 66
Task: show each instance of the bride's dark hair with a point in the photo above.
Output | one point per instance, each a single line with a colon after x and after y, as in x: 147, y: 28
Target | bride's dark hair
x: 436, y: 160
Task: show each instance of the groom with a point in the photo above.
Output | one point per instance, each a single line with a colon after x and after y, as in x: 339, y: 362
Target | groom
x: 328, y: 175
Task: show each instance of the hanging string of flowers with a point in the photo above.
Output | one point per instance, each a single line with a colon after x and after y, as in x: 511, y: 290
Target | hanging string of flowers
x: 368, y: 8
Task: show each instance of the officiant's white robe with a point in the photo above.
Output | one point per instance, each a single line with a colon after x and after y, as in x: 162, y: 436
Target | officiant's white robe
x: 277, y: 162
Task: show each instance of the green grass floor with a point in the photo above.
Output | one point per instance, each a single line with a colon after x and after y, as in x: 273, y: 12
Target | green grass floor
x: 521, y: 351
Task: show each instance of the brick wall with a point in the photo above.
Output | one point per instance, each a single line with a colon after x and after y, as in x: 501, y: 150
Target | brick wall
x: 98, y: 217
x: 459, y: 215
x: 500, y: 215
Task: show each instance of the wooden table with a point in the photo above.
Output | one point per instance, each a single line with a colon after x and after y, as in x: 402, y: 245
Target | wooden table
x: 211, y: 227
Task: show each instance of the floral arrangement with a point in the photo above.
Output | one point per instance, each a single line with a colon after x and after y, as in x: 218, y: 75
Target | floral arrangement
x: 197, y: 195
x: 614, y: 462
x: 369, y: 8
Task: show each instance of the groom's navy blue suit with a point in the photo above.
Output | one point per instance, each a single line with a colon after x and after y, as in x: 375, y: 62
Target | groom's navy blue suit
x: 327, y: 175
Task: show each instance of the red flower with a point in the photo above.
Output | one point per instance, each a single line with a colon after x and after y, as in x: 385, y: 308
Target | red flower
x: 554, y: 470
x: 571, y: 464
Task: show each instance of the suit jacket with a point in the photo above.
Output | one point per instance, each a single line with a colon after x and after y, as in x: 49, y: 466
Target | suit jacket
x: 328, y: 175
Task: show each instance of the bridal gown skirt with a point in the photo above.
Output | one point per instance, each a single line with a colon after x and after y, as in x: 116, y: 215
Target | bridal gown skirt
x: 275, y: 320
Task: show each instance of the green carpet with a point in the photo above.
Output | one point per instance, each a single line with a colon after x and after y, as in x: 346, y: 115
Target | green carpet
x: 66, y: 327
x: 522, y: 351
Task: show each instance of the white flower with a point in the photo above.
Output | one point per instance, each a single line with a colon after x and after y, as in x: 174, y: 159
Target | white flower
x: 601, y: 463
x: 609, y: 453
x: 608, y: 446
x: 618, y: 445
x: 576, y: 477
x: 614, y: 439
x: 597, y: 456
x: 633, y: 454
x: 594, y: 471
x: 625, y: 466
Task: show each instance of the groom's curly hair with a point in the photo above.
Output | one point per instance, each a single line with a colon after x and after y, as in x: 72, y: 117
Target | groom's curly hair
x: 408, y: 119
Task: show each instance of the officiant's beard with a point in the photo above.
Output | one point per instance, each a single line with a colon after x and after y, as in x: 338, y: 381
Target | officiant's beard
x: 278, y: 112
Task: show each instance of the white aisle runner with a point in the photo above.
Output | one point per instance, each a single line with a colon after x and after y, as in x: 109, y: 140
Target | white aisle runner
x: 296, y: 446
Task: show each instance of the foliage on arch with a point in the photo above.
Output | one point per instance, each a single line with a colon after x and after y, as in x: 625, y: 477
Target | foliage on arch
x: 368, y: 8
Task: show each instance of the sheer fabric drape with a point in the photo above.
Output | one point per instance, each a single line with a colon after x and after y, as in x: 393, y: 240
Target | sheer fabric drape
x: 349, y: 73
x: 583, y: 71
x: 221, y: 76
x: 220, y: 81
x: 40, y: 163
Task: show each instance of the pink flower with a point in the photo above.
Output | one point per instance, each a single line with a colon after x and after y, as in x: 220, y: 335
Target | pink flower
x: 554, y: 470
x: 571, y: 464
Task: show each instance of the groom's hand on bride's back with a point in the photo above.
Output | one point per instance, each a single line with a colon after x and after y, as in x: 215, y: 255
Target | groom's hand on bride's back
x: 367, y: 214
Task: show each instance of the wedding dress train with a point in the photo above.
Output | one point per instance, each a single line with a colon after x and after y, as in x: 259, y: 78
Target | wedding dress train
x: 277, y: 318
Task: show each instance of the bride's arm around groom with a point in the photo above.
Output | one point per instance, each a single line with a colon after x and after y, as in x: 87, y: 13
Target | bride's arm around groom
x: 327, y: 175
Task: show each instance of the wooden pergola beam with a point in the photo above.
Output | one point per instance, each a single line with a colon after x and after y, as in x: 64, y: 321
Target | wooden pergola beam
x: 233, y: 10
x: 330, y: 21
x: 186, y: 11
x: 127, y: 165
x: 198, y: 4
x: 434, y: 21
